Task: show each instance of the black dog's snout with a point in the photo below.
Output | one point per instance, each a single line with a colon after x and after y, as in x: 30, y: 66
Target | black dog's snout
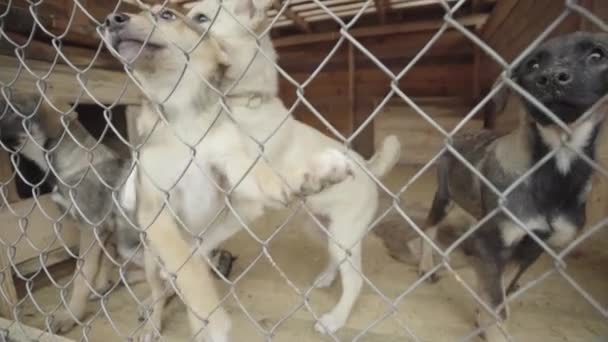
x: 116, y: 19
x: 563, y: 77
x: 560, y: 77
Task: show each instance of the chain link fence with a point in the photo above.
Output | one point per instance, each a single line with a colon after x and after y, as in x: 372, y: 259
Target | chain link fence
x: 114, y: 197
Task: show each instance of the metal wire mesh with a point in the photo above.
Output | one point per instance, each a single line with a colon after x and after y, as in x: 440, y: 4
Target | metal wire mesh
x: 91, y: 183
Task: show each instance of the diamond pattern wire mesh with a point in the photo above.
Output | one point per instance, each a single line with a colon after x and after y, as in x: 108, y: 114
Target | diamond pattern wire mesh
x: 103, y: 215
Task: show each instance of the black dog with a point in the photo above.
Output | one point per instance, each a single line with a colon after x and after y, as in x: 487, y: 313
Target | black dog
x: 568, y: 75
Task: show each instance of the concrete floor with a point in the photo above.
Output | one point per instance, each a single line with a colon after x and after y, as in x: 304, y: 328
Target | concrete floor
x: 550, y: 311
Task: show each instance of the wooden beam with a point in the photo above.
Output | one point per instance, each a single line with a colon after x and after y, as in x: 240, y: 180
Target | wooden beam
x: 40, y: 51
x: 374, y: 31
x: 63, y: 84
x: 22, y: 332
x: 7, y: 285
x: 351, y: 85
x: 381, y: 10
x: 302, y: 24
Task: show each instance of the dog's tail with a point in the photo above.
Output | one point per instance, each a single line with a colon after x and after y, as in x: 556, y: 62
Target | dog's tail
x: 386, y: 158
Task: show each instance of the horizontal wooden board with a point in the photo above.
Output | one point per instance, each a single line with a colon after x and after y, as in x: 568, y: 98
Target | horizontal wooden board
x: 34, y: 233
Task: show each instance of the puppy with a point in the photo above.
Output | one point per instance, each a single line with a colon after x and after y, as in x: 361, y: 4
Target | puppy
x: 568, y: 75
x: 83, y: 187
x: 79, y: 178
x: 251, y: 83
x: 186, y: 151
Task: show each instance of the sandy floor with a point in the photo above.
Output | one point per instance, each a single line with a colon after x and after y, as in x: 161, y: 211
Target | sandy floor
x: 550, y: 311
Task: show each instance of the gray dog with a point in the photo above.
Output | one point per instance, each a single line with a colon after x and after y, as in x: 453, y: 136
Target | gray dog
x: 568, y: 75
x: 84, y: 186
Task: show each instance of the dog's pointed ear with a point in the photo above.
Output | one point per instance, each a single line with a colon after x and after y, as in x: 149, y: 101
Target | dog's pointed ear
x: 253, y: 9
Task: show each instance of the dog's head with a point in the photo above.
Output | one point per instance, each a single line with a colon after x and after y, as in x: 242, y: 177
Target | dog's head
x: 568, y: 74
x: 230, y: 17
x: 164, y: 47
x: 16, y: 120
x: 237, y: 24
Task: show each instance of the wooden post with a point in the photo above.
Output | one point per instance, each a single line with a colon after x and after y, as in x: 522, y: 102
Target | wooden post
x: 351, y: 86
x: 6, y: 275
x: 9, y: 294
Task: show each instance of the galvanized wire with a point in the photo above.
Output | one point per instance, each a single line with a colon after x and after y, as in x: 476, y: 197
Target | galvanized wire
x: 226, y: 111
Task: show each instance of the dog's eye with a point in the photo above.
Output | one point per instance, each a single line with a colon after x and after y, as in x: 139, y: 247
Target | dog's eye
x: 533, y: 65
x: 167, y: 15
x: 201, y: 18
x: 596, y: 55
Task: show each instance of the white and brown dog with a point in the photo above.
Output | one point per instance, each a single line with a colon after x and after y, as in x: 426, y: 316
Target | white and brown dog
x: 177, y: 69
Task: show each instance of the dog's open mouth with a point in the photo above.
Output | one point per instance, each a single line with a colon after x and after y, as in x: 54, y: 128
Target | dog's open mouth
x: 122, y: 44
x: 129, y: 47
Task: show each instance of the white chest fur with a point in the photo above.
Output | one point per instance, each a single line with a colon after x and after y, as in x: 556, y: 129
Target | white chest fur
x: 567, y: 149
x: 562, y: 230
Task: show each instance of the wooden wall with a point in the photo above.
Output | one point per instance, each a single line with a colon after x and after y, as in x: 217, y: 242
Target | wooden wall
x: 445, y: 71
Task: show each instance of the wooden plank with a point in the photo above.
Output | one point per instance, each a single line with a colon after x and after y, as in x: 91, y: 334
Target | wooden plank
x: 381, y: 10
x: 416, y: 26
x: 302, y: 24
x: 54, y: 15
x: 41, y: 51
x: 8, y: 297
x: 364, y: 142
x: 352, y: 86
x: 105, y: 85
x: 6, y: 173
x: 40, y: 231
x: 20, y: 332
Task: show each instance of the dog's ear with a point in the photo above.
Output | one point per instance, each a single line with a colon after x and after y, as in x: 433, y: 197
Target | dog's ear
x: 602, y: 38
x: 252, y: 9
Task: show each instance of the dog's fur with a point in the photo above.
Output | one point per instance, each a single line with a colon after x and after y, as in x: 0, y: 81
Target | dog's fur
x: 306, y: 160
x: 350, y: 205
x: 83, y: 185
x: 78, y: 177
x: 191, y: 112
x: 568, y: 75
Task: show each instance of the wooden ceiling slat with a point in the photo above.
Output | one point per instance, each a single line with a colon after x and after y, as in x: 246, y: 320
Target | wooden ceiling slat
x: 296, y: 18
x: 416, y: 26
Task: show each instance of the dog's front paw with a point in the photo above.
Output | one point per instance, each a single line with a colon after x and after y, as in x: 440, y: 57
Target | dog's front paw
x: 328, y: 168
x: 62, y: 322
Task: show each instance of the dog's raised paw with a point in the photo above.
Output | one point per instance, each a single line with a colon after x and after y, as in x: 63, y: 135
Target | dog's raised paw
x: 328, y: 168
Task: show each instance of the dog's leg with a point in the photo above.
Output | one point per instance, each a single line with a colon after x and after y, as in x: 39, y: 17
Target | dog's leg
x: 349, y: 267
x: 103, y: 281
x: 439, y: 210
x: 273, y: 188
x: 90, y: 253
x: 489, y: 268
x: 156, y: 301
x: 526, y: 253
x: 192, y: 274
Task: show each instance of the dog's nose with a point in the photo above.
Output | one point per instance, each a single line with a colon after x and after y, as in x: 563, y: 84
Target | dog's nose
x: 116, y: 19
x: 562, y: 76
x: 556, y: 77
